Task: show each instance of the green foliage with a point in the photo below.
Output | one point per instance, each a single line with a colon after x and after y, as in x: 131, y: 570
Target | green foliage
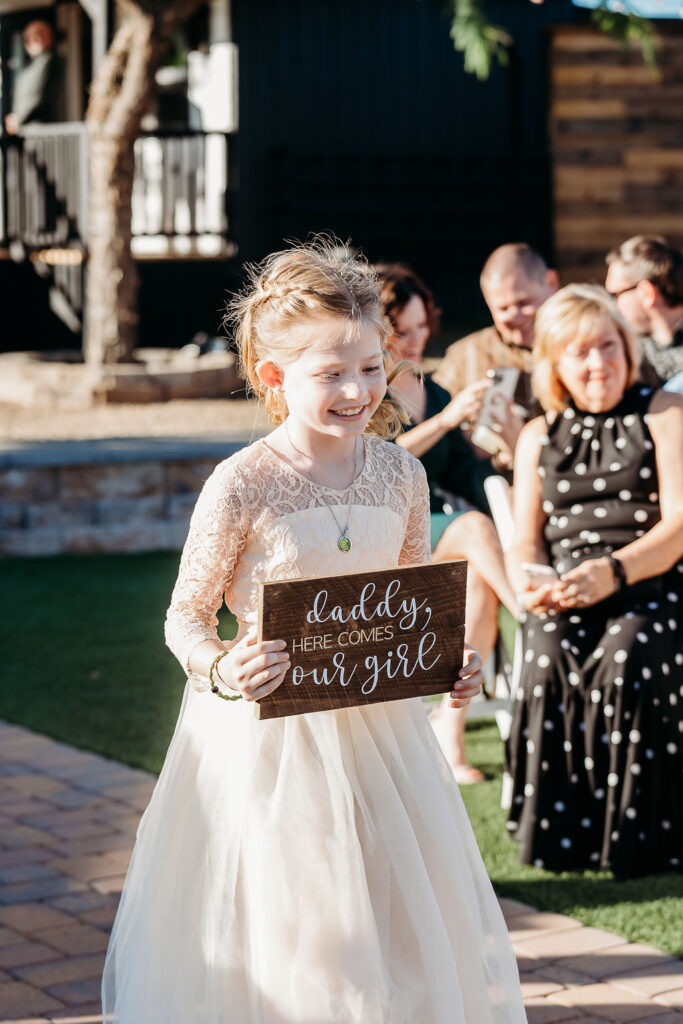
x: 627, y: 27
x: 477, y: 39
x: 481, y: 43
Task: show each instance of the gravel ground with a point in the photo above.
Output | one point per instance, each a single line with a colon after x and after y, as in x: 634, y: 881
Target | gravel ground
x: 184, y: 418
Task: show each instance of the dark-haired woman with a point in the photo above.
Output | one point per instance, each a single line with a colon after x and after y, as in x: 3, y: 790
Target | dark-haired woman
x: 460, y: 526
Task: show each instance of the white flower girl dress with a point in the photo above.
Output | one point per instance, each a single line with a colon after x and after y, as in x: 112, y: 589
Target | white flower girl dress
x: 317, y: 869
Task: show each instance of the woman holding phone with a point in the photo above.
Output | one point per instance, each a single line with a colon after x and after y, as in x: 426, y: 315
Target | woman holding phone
x: 461, y: 527
x: 596, y: 746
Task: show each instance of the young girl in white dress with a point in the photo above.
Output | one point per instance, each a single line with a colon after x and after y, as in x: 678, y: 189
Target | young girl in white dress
x: 316, y: 869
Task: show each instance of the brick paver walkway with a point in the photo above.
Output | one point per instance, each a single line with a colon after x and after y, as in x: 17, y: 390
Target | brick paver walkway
x: 67, y: 825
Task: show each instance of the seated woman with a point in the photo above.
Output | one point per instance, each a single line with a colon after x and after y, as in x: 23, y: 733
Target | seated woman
x: 596, y: 747
x: 461, y: 529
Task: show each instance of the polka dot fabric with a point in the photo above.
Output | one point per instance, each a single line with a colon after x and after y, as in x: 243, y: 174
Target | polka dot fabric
x: 596, y: 746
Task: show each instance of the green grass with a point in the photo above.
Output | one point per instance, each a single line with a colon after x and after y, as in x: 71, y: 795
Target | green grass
x: 648, y: 909
x: 84, y: 661
x: 84, y: 658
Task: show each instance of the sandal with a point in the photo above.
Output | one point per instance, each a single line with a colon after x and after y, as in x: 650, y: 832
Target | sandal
x: 466, y: 775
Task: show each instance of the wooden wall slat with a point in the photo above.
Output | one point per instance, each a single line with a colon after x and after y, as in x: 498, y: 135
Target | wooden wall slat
x: 619, y: 74
x: 581, y: 39
x: 616, y: 137
x: 594, y: 110
x: 647, y: 157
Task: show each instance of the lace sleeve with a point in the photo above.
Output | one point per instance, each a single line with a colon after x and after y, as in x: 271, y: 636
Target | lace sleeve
x: 416, y: 543
x: 217, y: 536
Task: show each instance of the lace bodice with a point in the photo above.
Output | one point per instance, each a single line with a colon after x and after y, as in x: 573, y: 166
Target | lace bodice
x: 257, y: 519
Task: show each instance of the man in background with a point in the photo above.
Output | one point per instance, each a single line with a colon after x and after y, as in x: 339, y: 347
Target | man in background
x: 515, y: 282
x: 645, y: 276
x: 36, y: 92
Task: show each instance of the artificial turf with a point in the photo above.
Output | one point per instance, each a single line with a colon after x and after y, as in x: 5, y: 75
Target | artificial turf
x: 84, y: 658
x: 84, y: 661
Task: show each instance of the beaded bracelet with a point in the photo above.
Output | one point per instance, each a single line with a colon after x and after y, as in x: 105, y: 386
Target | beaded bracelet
x: 214, y: 688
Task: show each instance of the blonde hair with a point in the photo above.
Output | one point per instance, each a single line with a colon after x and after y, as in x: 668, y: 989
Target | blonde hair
x: 651, y: 258
x: 574, y: 313
x: 294, y: 288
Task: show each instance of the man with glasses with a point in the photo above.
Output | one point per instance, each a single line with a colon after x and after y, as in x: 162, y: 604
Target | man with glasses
x: 645, y: 276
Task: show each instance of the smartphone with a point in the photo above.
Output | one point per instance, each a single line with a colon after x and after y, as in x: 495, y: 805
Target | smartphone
x: 494, y: 407
x: 539, y: 574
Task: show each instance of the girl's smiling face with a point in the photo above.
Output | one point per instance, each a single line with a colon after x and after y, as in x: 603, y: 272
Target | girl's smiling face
x: 336, y: 383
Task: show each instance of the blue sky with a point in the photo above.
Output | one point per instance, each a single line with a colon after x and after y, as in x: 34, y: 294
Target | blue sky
x: 647, y: 8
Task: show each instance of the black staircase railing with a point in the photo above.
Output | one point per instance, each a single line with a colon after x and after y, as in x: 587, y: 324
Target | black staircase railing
x: 45, y: 186
x: 181, y: 193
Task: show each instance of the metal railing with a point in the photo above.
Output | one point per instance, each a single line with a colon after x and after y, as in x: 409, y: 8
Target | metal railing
x: 43, y: 194
x: 181, y: 184
x: 180, y: 201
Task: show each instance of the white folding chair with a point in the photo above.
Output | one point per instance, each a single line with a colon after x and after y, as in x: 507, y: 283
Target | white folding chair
x: 498, y: 493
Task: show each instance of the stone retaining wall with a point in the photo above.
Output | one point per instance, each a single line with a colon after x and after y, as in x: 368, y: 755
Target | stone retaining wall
x: 44, y: 380
x: 84, y: 496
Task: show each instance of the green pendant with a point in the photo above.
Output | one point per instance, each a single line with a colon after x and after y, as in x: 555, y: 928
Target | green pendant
x: 344, y: 543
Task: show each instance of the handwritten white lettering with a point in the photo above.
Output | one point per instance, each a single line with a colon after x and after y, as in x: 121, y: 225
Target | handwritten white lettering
x: 406, y: 611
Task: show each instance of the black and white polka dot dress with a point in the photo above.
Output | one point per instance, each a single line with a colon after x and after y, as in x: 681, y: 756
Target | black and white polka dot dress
x: 596, y: 747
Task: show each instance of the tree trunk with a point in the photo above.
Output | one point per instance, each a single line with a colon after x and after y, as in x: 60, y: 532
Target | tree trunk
x: 120, y: 94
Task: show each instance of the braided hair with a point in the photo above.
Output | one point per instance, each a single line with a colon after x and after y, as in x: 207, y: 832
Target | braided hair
x: 291, y: 289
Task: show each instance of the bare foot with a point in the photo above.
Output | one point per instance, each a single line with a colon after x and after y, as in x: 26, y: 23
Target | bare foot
x: 444, y: 729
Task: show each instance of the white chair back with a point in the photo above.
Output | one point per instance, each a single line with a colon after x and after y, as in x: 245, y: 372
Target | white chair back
x: 499, y: 494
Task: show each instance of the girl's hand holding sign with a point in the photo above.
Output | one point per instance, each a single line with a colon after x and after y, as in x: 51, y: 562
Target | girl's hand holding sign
x: 470, y: 679
x: 253, y: 668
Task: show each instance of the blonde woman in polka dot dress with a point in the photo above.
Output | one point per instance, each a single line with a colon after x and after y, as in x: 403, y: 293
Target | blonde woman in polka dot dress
x: 596, y: 747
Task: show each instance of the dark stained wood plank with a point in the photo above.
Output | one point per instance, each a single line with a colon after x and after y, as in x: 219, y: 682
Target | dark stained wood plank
x: 365, y: 637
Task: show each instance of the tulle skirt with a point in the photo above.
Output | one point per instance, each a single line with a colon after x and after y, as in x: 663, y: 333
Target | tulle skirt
x: 318, y: 869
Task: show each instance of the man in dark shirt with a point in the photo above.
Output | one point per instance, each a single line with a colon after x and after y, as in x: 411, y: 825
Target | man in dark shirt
x: 645, y: 276
x: 37, y: 86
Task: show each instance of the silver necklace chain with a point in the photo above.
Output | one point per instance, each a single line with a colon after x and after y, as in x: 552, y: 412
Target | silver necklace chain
x: 344, y: 542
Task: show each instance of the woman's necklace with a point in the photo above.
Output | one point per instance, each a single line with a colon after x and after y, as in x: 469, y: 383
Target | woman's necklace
x: 344, y: 542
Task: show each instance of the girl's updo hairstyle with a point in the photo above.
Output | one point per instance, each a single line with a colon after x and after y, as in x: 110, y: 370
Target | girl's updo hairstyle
x: 293, y: 289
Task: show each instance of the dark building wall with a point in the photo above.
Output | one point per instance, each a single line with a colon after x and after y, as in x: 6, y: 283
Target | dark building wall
x: 178, y: 299
x: 358, y: 117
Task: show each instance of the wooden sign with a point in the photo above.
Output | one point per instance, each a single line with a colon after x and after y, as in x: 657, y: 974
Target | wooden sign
x: 365, y: 637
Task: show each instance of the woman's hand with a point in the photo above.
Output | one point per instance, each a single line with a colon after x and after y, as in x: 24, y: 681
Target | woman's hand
x: 588, y: 583
x: 465, y: 405
x: 254, y: 669
x: 508, y: 429
x: 538, y: 599
x: 470, y: 679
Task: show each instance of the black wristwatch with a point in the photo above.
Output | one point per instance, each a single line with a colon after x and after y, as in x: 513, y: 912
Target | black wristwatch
x: 618, y: 572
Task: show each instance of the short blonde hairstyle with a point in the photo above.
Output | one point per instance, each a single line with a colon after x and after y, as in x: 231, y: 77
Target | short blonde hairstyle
x: 293, y: 289
x: 574, y: 313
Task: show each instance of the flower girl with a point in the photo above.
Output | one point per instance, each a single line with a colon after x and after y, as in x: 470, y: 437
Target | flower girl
x: 316, y: 869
